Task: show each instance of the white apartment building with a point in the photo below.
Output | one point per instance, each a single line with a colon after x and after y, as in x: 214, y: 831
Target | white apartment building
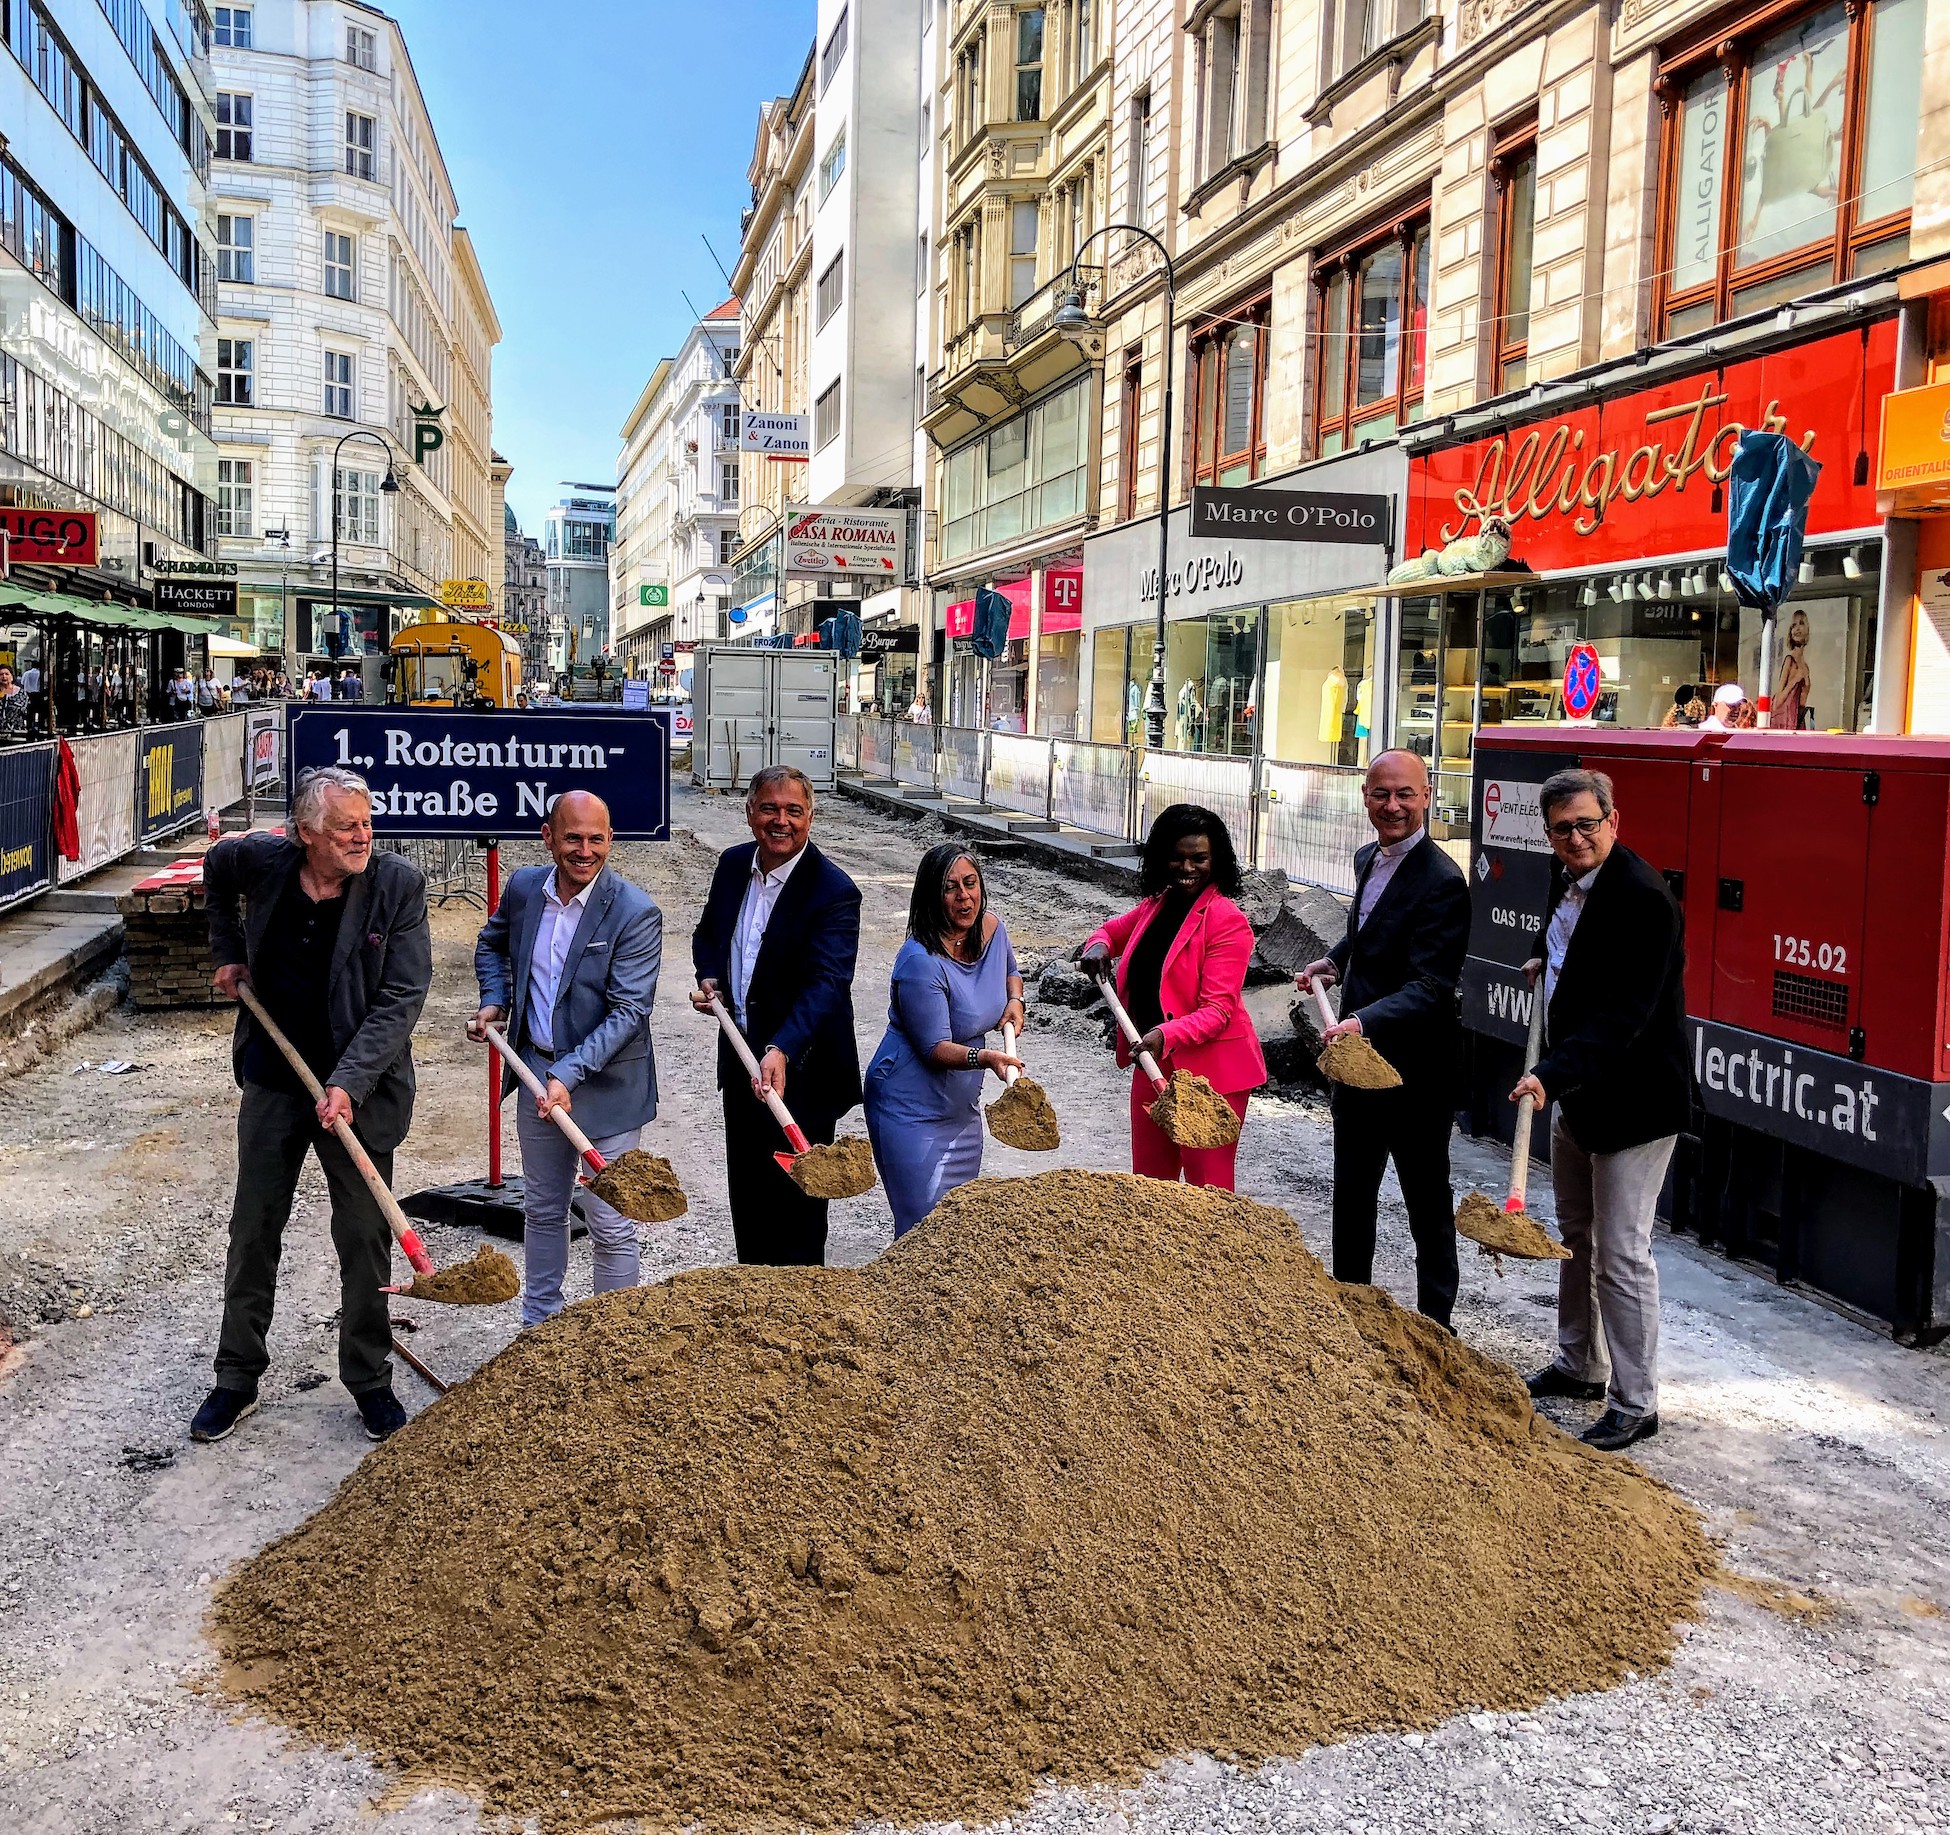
x: 349, y: 312
x: 639, y: 564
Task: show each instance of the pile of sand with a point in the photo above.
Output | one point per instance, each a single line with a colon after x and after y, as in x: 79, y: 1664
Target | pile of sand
x: 1022, y: 1117
x: 1191, y: 1113
x: 1348, y: 1058
x: 843, y: 1170
x: 642, y: 1186
x: 486, y: 1278
x: 1087, y: 1470
x: 1499, y: 1232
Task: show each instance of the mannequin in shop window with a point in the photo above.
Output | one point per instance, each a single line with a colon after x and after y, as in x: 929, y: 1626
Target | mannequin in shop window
x: 1790, y: 711
x: 1333, y: 705
x: 1191, y: 716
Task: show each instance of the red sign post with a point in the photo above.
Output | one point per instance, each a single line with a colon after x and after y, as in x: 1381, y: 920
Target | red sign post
x: 49, y: 538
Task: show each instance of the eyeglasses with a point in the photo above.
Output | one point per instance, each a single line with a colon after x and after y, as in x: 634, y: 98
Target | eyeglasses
x: 1587, y: 826
x: 1409, y: 795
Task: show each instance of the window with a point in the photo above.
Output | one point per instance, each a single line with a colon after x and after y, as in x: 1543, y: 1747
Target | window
x: 1077, y: 209
x: 968, y: 90
x: 927, y: 120
x: 1513, y: 168
x: 361, y: 48
x: 826, y: 419
x: 1029, y: 64
x: 832, y: 284
x: 235, y: 250
x: 1371, y: 356
x: 1235, y: 54
x: 728, y: 423
x: 965, y: 275
x: 921, y: 272
x: 234, y: 477
x: 727, y: 482
x: 1789, y: 164
x: 1227, y: 360
x: 1137, y: 159
x: 832, y: 165
x: 1083, y: 49
x: 234, y: 370
x: 233, y: 125
x: 234, y: 27
x: 1022, y: 251
x: 1130, y: 408
x: 727, y: 545
x: 338, y: 265
x: 1027, y: 474
x: 834, y: 50
x: 360, y: 131
x: 355, y: 505
x: 338, y: 384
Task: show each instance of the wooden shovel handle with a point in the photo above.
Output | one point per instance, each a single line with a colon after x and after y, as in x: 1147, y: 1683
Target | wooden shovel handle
x: 773, y: 1100
x: 1009, y: 1051
x: 1146, y: 1063
x: 1320, y: 1004
x: 539, y: 1090
x: 1526, y: 1107
x: 409, y: 1237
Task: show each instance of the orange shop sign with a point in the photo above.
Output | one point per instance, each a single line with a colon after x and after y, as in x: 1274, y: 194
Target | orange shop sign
x: 1639, y: 475
x: 1915, y: 457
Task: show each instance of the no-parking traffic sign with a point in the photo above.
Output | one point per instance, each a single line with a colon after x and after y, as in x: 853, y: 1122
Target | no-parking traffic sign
x: 1583, y: 681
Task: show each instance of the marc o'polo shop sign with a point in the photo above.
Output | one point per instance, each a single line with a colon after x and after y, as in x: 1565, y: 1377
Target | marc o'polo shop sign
x: 488, y: 775
x: 1290, y: 516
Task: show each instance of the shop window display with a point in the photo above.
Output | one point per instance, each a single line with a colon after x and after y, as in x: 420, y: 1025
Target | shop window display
x: 1319, y: 681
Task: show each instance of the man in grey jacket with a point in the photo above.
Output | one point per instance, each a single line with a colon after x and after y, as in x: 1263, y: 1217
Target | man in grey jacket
x: 569, y: 962
x: 333, y: 939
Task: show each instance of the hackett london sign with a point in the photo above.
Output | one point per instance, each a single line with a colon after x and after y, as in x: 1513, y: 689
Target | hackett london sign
x: 1637, y: 476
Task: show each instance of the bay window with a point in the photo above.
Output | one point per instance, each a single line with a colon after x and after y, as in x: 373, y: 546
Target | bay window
x: 1228, y: 371
x: 1371, y: 348
x: 1788, y: 158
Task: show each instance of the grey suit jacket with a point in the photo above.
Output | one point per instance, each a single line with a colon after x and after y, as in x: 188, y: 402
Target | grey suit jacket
x: 600, y: 1029
x: 381, y: 968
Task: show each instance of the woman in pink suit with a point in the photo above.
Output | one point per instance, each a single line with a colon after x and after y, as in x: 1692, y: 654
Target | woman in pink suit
x: 1181, y: 968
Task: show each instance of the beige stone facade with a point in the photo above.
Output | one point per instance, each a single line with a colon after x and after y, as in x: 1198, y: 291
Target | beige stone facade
x: 470, y: 425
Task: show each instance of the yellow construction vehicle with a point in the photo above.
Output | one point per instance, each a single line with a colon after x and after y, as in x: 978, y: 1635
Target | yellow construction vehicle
x: 452, y: 662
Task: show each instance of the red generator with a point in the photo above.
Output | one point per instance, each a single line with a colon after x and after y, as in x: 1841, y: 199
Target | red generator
x: 1814, y: 872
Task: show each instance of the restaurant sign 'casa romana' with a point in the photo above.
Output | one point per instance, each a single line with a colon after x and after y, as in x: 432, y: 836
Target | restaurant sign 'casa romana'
x: 1638, y: 474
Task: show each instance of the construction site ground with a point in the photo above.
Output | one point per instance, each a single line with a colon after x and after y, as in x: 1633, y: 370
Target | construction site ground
x: 1816, y: 1450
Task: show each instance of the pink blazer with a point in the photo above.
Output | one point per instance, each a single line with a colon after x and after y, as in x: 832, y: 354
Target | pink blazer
x: 1207, y: 1030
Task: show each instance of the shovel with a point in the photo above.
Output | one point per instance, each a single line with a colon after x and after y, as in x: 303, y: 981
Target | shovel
x: 1350, y: 1059
x: 476, y: 1283
x: 1021, y: 1116
x: 639, y: 1185
x: 843, y: 1170
x: 1189, y: 1112
x: 1510, y: 1229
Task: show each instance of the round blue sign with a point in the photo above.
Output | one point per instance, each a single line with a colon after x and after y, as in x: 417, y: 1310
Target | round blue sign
x: 1582, y: 681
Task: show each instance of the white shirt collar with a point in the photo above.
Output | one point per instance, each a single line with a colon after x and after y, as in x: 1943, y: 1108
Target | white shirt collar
x: 1394, y: 850
x: 551, y: 891
x: 779, y: 874
x: 1583, y: 883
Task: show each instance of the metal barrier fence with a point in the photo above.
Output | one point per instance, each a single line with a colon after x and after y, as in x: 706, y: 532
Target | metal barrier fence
x: 452, y: 869
x: 1302, y: 820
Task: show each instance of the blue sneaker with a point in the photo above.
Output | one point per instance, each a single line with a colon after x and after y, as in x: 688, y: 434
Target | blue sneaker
x: 381, y: 1412
x: 220, y: 1413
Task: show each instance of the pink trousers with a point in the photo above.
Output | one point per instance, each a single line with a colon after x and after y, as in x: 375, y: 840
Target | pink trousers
x: 1155, y: 1157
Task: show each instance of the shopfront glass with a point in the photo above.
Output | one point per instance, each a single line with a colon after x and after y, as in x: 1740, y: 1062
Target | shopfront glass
x: 1211, y: 683
x: 1058, y: 660
x: 1319, y: 681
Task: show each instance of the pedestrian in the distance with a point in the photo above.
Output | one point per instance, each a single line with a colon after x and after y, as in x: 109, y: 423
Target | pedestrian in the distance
x: 1613, y: 965
x: 181, y: 692
x: 1181, y: 969
x: 1399, y: 966
x: 777, y: 942
x: 208, y: 700
x: 955, y: 982
x: 333, y: 939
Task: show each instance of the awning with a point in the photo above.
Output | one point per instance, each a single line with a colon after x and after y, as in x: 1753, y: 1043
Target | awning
x: 229, y: 646
x: 1418, y: 589
x: 408, y: 598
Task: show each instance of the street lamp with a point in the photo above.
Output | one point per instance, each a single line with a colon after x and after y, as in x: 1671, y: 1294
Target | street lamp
x: 282, y: 536
x: 388, y: 485
x: 1075, y: 323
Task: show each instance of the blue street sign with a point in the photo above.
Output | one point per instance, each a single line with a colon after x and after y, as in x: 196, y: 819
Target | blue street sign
x: 447, y: 772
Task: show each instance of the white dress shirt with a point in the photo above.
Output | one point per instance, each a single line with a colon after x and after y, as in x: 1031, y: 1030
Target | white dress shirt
x: 554, y: 932
x: 1387, y: 858
x: 748, y: 937
x: 1564, y: 920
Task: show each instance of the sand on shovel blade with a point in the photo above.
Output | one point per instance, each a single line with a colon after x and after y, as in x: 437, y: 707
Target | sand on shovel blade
x: 486, y: 1278
x: 1022, y: 1117
x: 1351, y: 1060
x: 843, y: 1170
x: 1499, y: 1232
x: 1191, y: 1113
x: 642, y: 1186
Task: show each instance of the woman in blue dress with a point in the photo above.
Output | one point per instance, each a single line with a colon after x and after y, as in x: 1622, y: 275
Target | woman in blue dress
x: 955, y: 981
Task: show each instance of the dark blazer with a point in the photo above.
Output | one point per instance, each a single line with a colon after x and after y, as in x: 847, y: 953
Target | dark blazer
x: 381, y: 969
x: 603, y: 1054
x: 1615, y: 1059
x: 1399, y: 971
x: 801, y: 996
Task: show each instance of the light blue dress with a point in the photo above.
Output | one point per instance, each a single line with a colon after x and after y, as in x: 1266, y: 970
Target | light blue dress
x: 925, y: 1123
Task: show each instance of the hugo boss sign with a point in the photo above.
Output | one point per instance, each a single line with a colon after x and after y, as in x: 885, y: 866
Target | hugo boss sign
x: 1292, y: 516
x: 50, y: 538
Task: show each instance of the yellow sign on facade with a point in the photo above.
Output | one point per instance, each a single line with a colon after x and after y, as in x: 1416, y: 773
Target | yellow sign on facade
x: 466, y: 595
x: 1916, y: 444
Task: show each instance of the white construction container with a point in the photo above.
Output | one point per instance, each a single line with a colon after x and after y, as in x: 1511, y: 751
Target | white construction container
x: 762, y: 707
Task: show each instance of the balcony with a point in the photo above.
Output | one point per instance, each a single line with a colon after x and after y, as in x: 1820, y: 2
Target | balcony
x: 997, y: 363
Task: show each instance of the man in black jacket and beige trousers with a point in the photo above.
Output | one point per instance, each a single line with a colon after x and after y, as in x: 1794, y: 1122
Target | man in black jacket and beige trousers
x: 1398, y: 966
x: 333, y: 939
x: 1613, y: 963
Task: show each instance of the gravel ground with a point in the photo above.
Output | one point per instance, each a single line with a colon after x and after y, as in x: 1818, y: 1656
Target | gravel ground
x: 1816, y: 1450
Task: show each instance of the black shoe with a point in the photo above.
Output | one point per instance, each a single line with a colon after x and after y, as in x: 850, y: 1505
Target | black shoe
x: 381, y: 1412
x: 221, y: 1411
x: 1553, y: 1381
x: 1615, y: 1430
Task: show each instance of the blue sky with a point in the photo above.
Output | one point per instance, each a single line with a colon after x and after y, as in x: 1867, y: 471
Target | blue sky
x: 589, y: 147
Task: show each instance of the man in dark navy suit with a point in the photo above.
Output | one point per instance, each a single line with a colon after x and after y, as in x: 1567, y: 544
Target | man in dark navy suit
x: 1398, y: 967
x: 777, y: 944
